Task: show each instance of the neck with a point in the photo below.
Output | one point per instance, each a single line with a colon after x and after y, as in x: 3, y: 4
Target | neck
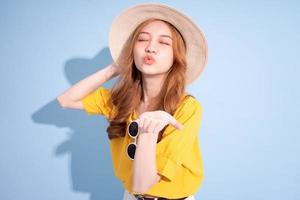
x: 152, y: 86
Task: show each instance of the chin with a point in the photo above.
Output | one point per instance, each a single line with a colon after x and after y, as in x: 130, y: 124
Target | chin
x: 146, y: 68
x: 148, y: 73
x: 149, y: 70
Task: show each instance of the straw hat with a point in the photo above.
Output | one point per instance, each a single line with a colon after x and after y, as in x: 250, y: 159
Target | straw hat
x: 124, y: 25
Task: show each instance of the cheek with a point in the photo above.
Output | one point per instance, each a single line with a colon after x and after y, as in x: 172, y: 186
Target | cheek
x: 168, y: 58
x: 136, y: 58
x: 135, y: 53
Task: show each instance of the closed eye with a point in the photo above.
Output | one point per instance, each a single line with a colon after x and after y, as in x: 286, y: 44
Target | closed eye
x: 164, y: 43
x: 160, y: 42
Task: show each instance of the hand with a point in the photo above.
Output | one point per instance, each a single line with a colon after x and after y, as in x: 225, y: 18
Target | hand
x: 155, y: 121
x: 116, y: 69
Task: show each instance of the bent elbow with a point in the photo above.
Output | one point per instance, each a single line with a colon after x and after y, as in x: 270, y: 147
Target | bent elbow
x: 144, y: 186
x: 61, y: 101
x: 140, y: 189
x: 140, y: 186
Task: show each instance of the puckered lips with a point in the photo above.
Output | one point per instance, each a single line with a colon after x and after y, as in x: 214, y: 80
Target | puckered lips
x: 149, y: 60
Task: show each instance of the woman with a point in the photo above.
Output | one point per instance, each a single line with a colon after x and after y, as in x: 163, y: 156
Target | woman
x: 153, y: 124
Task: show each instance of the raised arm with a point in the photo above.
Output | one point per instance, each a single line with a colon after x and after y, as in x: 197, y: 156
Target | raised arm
x: 145, y: 173
x: 72, y: 96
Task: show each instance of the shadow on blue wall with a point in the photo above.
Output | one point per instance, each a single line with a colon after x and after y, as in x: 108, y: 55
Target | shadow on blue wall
x: 90, y: 167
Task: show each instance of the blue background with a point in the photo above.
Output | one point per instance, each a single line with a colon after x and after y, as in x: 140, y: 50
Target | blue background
x: 249, y: 92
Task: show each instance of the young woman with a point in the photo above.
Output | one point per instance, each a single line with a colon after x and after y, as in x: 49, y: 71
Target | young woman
x: 153, y: 123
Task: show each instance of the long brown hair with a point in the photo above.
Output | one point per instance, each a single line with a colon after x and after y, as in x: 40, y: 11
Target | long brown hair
x: 127, y: 93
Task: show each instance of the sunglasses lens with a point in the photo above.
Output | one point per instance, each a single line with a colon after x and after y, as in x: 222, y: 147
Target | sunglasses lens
x: 131, y: 150
x: 133, y: 129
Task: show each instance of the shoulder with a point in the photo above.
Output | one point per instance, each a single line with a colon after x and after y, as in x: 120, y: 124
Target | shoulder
x: 188, y: 107
x: 104, y: 91
x: 189, y: 103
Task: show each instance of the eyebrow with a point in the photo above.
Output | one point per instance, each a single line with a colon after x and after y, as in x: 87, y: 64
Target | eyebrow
x: 159, y: 35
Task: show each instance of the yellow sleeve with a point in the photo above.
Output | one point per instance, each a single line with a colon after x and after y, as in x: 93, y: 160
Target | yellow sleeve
x: 98, y: 102
x: 176, y: 144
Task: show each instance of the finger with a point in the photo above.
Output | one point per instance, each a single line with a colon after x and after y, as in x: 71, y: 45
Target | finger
x: 146, y: 124
x: 152, y: 127
x: 175, y: 123
x: 160, y: 125
x: 142, y: 122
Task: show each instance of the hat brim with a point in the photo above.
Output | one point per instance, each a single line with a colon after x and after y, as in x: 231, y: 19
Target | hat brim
x: 124, y: 24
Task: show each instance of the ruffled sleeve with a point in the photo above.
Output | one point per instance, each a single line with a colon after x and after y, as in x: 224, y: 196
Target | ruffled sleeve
x: 98, y: 102
x: 178, y: 144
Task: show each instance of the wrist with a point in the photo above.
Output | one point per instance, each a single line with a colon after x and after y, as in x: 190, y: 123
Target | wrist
x: 147, y: 137
x: 114, y: 70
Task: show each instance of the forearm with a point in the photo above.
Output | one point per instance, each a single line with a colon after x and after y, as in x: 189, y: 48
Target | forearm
x: 144, y: 164
x: 88, y: 84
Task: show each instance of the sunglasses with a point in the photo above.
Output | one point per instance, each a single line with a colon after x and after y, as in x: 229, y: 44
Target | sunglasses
x: 133, y: 132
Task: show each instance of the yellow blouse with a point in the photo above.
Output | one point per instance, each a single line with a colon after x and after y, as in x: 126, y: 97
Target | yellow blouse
x: 178, y: 156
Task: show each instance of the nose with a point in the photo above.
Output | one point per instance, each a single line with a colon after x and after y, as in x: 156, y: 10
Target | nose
x: 150, y: 48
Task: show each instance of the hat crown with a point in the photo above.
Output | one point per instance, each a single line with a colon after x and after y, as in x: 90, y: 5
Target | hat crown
x: 196, y: 45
